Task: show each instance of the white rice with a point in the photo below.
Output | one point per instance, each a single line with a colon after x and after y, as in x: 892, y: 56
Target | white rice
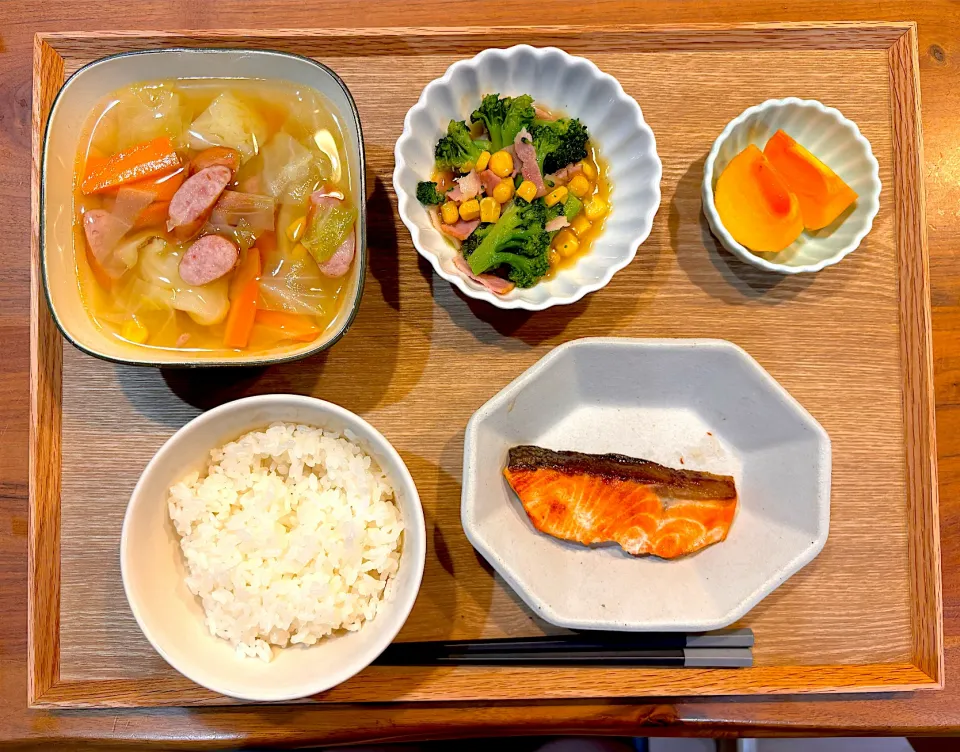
x: 291, y: 534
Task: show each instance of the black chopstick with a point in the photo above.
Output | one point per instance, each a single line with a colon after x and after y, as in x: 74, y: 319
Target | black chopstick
x: 720, y: 649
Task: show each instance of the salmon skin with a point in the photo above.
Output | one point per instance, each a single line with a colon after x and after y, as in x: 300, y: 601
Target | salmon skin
x: 598, y: 498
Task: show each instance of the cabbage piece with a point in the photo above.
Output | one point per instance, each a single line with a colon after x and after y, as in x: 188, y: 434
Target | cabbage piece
x: 229, y: 122
x: 285, y: 160
x: 205, y: 304
x: 234, y: 207
x: 328, y: 224
x: 292, y: 283
x: 160, y: 269
x: 145, y: 112
x: 242, y: 234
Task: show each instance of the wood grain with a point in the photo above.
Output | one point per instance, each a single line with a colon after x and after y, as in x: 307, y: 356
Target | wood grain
x: 845, y: 623
x: 917, y: 357
x: 208, y: 728
x: 45, y: 408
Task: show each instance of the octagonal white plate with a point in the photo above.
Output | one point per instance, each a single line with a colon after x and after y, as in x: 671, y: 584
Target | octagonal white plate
x: 694, y: 404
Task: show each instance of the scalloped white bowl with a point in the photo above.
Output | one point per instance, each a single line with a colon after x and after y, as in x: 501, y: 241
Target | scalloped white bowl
x: 558, y: 81
x: 837, y: 142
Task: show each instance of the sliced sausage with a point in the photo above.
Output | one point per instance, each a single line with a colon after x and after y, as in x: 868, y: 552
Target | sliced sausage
x: 216, y: 155
x: 208, y: 259
x: 103, y: 231
x: 339, y: 263
x: 194, y: 200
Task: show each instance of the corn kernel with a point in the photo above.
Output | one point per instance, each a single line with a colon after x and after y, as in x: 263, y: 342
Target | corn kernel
x: 596, y: 208
x: 300, y: 252
x: 566, y: 243
x: 504, y: 191
x: 527, y: 191
x: 502, y: 164
x: 295, y: 229
x: 581, y: 224
x: 554, y: 257
x: 470, y: 209
x: 483, y: 160
x: 588, y: 170
x: 134, y: 331
x: 489, y: 209
x: 449, y: 213
x: 579, y: 186
x: 556, y: 196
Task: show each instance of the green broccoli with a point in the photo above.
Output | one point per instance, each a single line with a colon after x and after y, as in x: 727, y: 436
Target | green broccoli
x: 518, y: 241
x: 504, y: 117
x: 457, y: 148
x: 572, y: 207
x: 473, y: 239
x: 573, y: 145
x: 546, y: 140
x: 552, y: 212
x: 428, y: 194
x: 519, y: 116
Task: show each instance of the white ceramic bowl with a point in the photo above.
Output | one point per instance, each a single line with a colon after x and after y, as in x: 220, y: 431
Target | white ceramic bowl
x: 68, y: 118
x: 831, y: 137
x: 575, y: 87
x: 172, y: 618
x: 686, y: 403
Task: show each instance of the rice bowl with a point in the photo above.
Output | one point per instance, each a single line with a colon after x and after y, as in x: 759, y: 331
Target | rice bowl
x: 173, y: 618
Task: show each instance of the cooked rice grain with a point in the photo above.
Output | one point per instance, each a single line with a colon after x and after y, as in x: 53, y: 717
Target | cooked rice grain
x: 292, y: 534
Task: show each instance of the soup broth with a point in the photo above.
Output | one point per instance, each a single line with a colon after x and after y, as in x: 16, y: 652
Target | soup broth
x: 258, y: 165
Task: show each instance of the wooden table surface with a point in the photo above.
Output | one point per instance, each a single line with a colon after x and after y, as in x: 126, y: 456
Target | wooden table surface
x: 913, y: 714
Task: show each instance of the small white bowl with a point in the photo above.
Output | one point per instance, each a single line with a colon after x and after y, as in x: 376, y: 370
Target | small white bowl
x: 832, y: 138
x: 557, y: 81
x: 698, y: 404
x: 172, y: 618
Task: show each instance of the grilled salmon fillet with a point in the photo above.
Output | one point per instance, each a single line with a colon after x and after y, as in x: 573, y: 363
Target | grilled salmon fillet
x: 645, y: 507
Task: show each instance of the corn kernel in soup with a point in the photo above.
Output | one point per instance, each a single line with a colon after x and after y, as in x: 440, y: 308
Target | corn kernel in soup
x: 184, y: 194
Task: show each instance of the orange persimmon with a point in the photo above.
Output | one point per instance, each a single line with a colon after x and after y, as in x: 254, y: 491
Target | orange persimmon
x: 822, y: 194
x: 755, y: 205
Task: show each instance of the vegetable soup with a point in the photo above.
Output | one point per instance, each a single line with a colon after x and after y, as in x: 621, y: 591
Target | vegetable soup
x: 214, y: 215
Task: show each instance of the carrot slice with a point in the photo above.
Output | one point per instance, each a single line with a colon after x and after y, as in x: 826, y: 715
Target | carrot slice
x: 136, y: 163
x: 155, y: 214
x: 161, y: 187
x: 94, y: 163
x: 99, y: 273
x: 244, y: 292
x: 292, y: 325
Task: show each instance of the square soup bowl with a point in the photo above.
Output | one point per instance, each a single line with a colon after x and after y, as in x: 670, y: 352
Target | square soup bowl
x: 65, y: 128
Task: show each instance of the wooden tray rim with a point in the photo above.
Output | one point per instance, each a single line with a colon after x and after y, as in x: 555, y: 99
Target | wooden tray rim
x: 926, y: 668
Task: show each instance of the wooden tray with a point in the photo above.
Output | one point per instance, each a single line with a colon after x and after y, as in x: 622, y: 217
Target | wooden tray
x: 852, y: 343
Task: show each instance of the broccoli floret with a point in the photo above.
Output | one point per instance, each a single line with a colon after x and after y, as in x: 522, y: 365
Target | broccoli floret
x: 546, y: 140
x: 573, y: 144
x: 504, y: 117
x: 473, y: 239
x: 492, y: 112
x: 428, y: 194
x: 457, y: 148
x: 572, y: 207
x: 519, y: 116
x: 518, y: 242
x: 552, y: 212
